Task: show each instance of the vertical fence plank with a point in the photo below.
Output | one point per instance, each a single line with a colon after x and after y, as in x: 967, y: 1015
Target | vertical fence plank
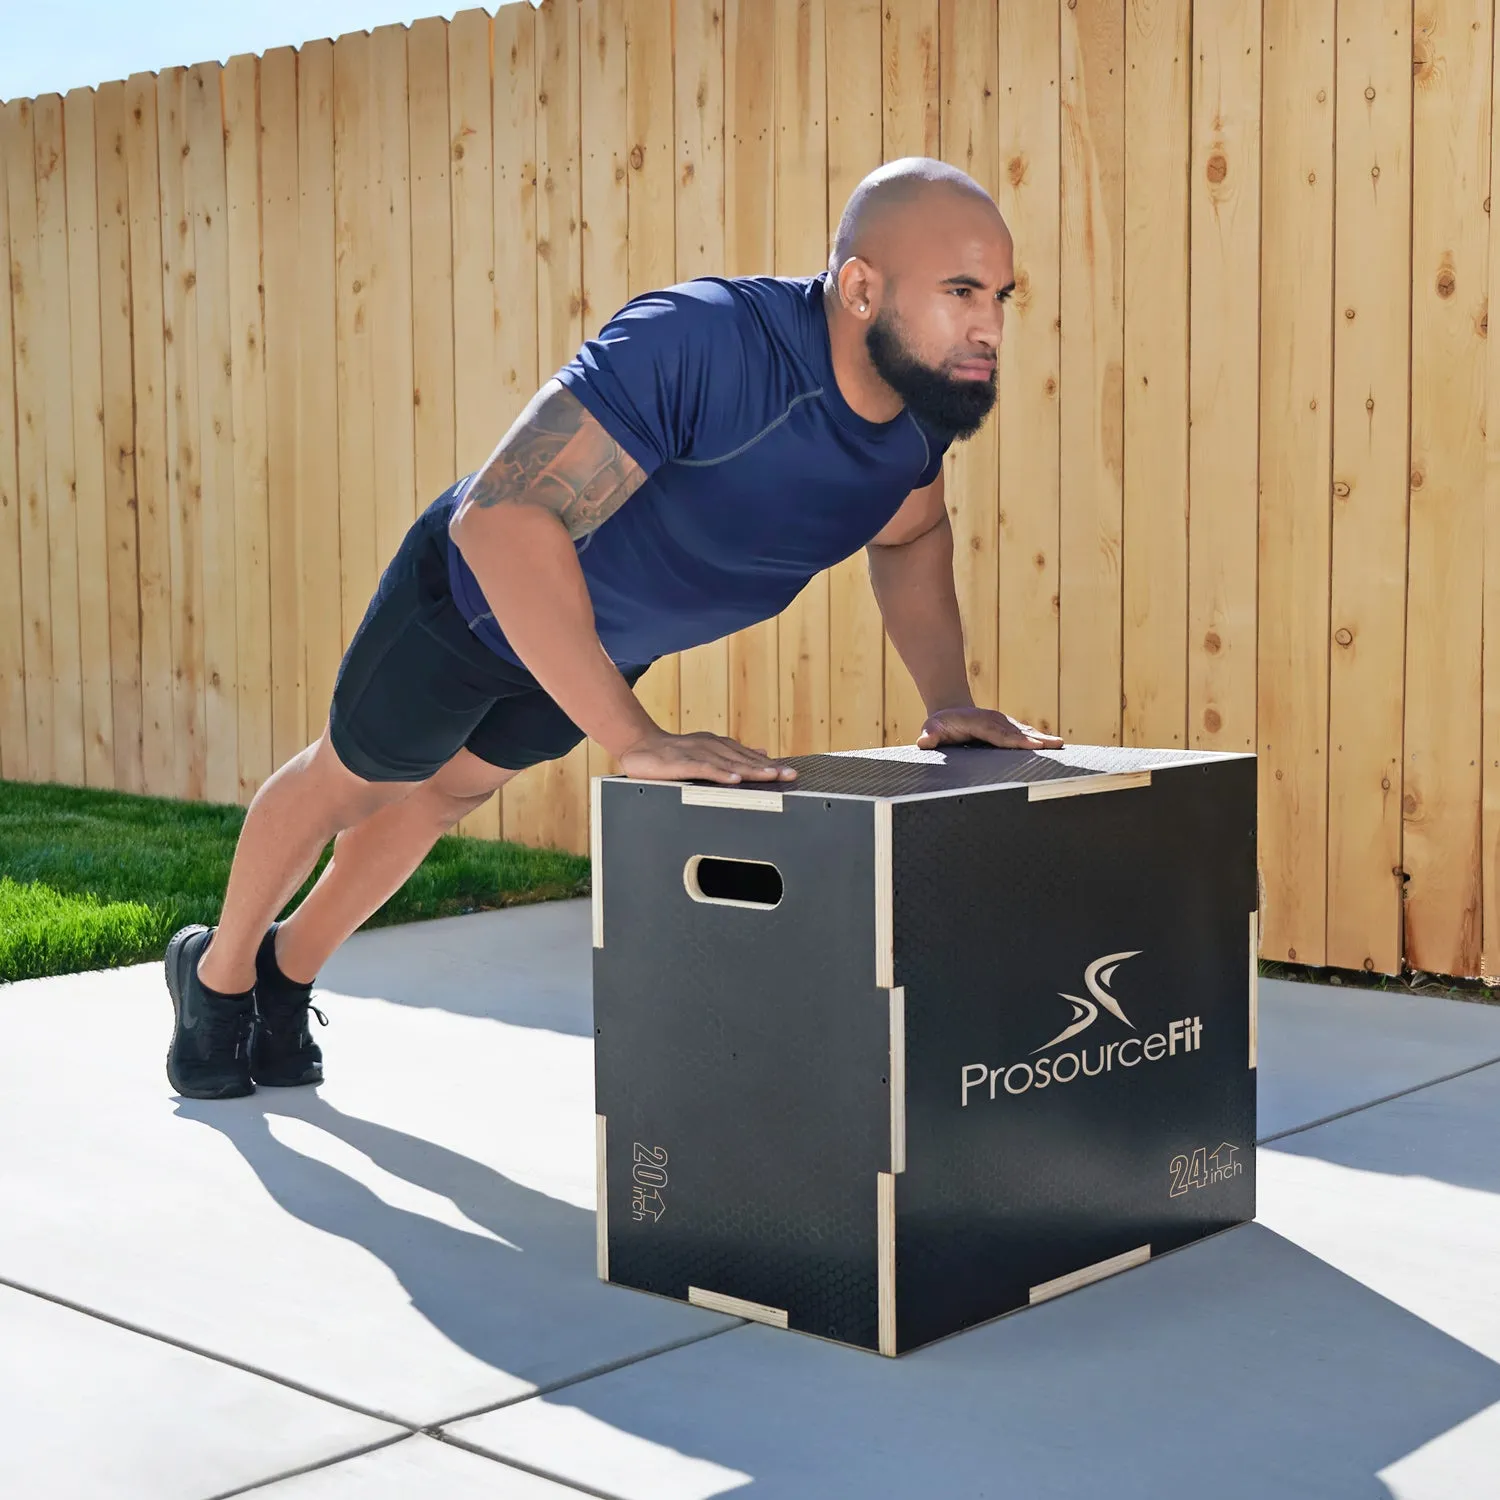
x: 391, y: 346
x: 13, y: 759
x: 208, y: 198
x: 184, y: 481
x: 1093, y: 394
x: 1224, y: 385
x: 1490, y: 729
x: 247, y: 370
x: 54, y: 359
x: 112, y: 203
x: 969, y: 57
x: 1296, y: 437
x: 86, y: 376
x: 749, y: 205
x: 651, y: 238
x: 431, y: 260
x: 1158, y: 139
x: 1372, y: 395
x: 1029, y: 417
x: 478, y: 296
x: 354, y: 132
x: 698, y: 47
x: 279, y: 267
x: 856, y: 634
x: 1442, y: 785
x: 606, y: 167
x: 549, y: 805
x: 911, y: 108
x: 801, y: 215
x: 318, y: 475
x: 149, y: 382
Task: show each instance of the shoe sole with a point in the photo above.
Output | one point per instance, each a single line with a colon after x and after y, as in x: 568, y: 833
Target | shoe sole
x: 174, y: 966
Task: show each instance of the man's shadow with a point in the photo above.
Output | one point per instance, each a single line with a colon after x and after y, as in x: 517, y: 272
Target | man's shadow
x: 499, y: 1302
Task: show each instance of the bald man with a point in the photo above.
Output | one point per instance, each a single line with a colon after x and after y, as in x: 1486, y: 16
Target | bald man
x: 685, y: 475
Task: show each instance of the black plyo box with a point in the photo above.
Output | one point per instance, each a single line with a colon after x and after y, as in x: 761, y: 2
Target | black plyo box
x: 929, y: 1038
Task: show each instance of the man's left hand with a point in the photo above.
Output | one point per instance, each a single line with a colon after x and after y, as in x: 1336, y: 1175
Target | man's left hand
x: 960, y: 726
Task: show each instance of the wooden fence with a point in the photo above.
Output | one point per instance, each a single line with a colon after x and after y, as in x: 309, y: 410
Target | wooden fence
x: 1237, y: 496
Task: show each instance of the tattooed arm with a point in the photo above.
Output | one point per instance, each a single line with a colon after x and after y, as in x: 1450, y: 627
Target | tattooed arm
x: 556, y: 476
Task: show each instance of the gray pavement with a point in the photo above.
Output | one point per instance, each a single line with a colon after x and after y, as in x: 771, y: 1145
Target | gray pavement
x: 386, y: 1288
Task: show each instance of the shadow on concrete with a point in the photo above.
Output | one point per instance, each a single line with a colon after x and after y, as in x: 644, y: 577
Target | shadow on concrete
x: 1239, y: 1369
x: 1446, y: 1133
x: 532, y: 1307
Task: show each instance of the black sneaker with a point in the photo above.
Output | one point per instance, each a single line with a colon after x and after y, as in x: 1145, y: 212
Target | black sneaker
x: 210, y: 1053
x: 282, y: 1051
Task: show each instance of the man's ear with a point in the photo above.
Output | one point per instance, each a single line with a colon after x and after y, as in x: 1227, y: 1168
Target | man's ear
x: 859, y: 287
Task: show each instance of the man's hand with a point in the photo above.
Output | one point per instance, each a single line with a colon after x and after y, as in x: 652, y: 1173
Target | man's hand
x: 699, y: 757
x: 958, y: 726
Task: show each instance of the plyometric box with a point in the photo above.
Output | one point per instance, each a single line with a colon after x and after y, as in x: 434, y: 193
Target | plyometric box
x: 932, y: 1037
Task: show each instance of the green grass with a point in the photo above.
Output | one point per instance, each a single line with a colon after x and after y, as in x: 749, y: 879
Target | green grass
x: 92, y: 879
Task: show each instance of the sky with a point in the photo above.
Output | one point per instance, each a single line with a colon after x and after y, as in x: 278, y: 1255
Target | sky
x: 51, y: 46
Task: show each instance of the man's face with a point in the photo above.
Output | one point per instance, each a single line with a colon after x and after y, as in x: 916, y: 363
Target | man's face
x: 936, y: 339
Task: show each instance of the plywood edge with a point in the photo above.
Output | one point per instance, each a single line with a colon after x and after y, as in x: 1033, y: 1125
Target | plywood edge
x: 885, y: 899
x: 596, y: 856
x: 601, y: 1195
x: 731, y: 797
x: 1254, y: 987
x: 1086, y: 786
x: 1096, y: 1272
x: 898, y: 1081
x: 737, y: 1307
x: 885, y: 1246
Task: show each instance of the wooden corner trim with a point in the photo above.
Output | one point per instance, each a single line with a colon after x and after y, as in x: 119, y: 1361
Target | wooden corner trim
x: 737, y: 1307
x: 596, y: 856
x: 898, y: 1081
x: 601, y: 1195
x: 732, y: 797
x: 1086, y: 786
x: 885, y: 1250
x: 885, y: 900
x: 1096, y: 1272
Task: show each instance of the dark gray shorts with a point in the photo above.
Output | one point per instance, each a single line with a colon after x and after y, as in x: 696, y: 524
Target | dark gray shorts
x: 416, y: 686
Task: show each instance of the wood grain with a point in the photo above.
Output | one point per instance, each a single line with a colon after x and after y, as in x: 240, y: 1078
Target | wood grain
x: 1093, y: 394
x: 1154, y: 573
x: 1442, y: 785
x: 1029, y: 195
x: 112, y: 190
x: 14, y: 765
x: 1224, y: 385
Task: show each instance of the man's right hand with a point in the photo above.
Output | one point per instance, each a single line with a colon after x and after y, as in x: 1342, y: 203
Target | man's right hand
x: 699, y: 757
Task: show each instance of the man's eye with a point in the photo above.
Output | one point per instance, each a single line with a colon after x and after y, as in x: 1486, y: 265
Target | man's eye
x: 961, y: 291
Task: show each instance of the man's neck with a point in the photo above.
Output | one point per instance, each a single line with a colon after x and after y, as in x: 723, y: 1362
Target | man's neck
x: 867, y: 394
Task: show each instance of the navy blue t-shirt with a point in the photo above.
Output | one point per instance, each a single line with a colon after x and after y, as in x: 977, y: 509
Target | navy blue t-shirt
x: 759, y: 474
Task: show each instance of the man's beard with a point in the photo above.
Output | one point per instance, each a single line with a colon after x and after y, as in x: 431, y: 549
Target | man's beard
x: 953, y: 406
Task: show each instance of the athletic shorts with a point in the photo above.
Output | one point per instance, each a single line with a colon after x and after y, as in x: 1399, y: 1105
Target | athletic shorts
x: 416, y: 685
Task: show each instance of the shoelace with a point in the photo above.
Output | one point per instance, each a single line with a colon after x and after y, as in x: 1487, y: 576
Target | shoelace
x: 290, y: 1015
x: 224, y: 1030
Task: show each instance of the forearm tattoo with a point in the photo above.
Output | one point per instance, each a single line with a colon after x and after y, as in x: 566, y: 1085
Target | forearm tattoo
x: 558, y: 457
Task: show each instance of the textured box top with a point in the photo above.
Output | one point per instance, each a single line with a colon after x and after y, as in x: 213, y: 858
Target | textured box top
x: 904, y: 771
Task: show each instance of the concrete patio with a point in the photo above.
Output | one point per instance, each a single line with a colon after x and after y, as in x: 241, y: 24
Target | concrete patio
x: 386, y: 1288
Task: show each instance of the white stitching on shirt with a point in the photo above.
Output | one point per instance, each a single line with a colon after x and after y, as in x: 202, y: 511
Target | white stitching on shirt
x: 708, y: 463
x: 926, y: 451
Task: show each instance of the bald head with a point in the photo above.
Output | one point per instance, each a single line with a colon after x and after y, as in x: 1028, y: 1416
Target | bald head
x: 897, y: 199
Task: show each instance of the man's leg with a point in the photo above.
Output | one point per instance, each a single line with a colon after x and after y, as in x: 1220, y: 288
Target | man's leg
x: 373, y: 859
x: 312, y: 798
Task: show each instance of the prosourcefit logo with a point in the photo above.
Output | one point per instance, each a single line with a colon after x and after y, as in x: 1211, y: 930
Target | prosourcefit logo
x: 1180, y: 1038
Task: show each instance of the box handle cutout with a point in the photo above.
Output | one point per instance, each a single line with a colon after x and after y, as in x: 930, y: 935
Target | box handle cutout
x: 733, y: 882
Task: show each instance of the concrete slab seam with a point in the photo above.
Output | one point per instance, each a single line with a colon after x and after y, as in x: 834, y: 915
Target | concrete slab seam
x: 1356, y: 1109
x: 525, y: 1468
x: 312, y: 1468
x: 222, y: 1359
x: 595, y: 1372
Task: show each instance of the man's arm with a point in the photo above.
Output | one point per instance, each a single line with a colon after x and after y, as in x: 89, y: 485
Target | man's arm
x: 911, y: 570
x: 556, y: 476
